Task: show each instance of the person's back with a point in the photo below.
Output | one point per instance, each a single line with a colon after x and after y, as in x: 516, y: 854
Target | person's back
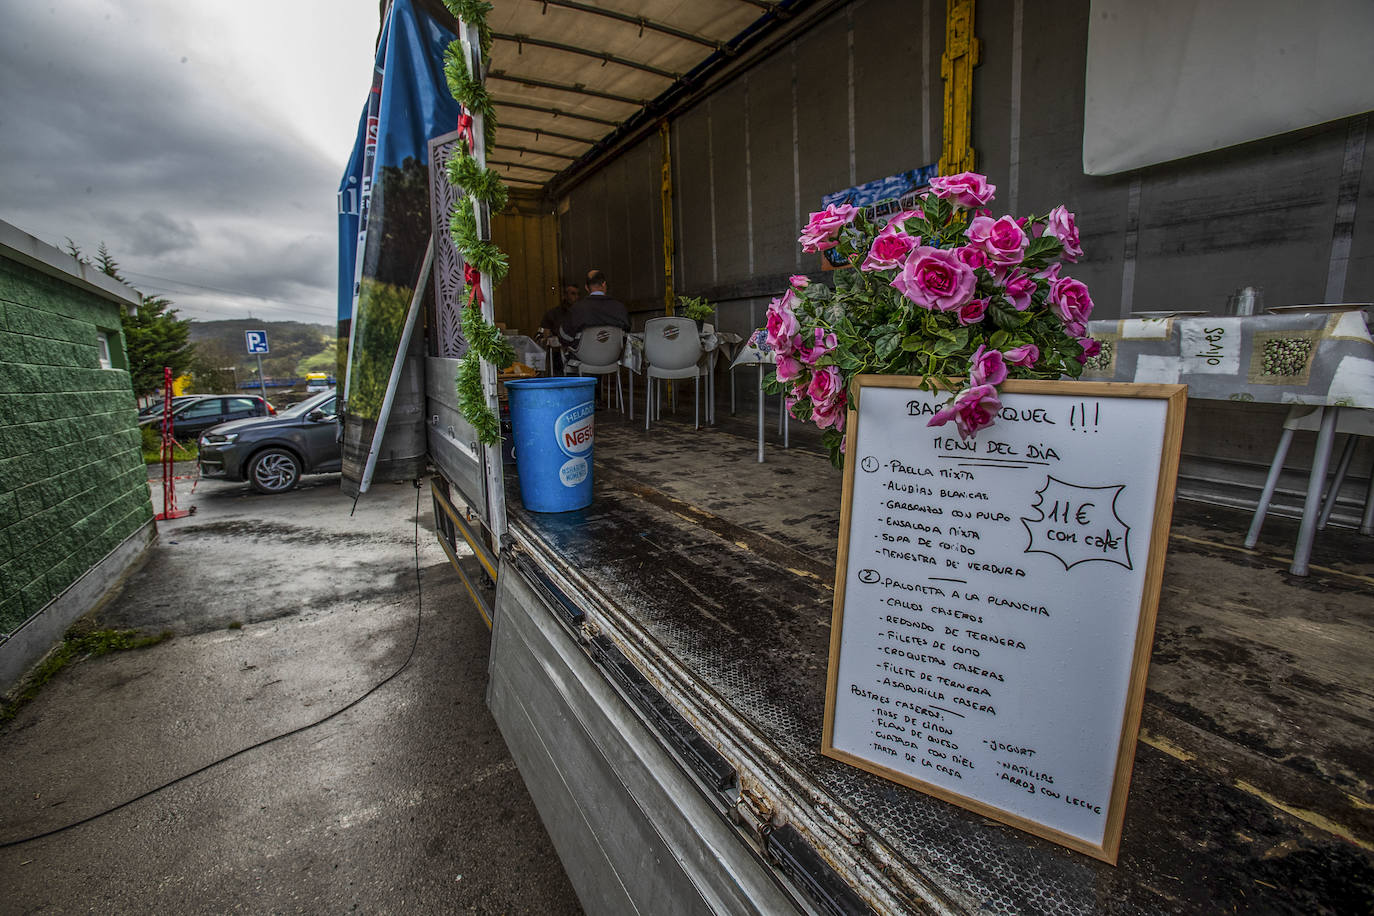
x: 595, y: 309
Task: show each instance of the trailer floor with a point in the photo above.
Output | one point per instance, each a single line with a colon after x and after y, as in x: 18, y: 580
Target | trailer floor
x: 1251, y: 790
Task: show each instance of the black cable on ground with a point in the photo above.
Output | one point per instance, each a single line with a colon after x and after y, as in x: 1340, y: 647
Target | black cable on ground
x: 6, y: 844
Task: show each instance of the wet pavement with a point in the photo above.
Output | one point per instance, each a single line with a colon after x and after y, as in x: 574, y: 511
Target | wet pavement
x: 284, y: 609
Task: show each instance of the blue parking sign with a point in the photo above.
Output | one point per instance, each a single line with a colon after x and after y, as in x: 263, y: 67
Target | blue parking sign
x: 257, y: 341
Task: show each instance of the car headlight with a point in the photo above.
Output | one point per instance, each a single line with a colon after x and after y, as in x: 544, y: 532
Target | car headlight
x: 218, y: 439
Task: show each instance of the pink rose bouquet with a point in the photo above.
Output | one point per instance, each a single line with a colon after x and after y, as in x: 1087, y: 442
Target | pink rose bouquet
x: 946, y: 291
x: 823, y: 229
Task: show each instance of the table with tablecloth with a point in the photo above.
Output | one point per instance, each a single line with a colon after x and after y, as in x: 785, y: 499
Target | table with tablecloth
x: 757, y: 351
x: 1322, y: 357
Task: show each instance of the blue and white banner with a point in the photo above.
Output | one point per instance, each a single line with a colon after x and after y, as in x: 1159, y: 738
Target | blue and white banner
x: 880, y: 198
x: 384, y: 232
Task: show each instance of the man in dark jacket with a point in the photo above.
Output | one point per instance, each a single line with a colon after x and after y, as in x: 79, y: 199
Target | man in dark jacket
x: 592, y: 310
x: 552, y: 322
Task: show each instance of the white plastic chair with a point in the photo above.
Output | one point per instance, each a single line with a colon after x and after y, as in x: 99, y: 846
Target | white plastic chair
x: 672, y: 350
x: 599, y: 349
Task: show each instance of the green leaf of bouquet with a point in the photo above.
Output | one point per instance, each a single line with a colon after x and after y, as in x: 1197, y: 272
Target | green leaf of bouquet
x: 849, y: 363
x: 999, y: 340
x: 833, y: 440
x: 946, y: 347
x: 1004, y: 315
x: 848, y: 281
x: 913, y: 342
x: 886, y: 345
x: 952, y: 340
x: 1046, y: 246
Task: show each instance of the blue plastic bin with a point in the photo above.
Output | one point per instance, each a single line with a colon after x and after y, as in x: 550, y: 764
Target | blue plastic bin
x: 553, y: 421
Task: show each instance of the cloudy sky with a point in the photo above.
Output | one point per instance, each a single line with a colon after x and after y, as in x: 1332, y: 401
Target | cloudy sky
x: 203, y: 142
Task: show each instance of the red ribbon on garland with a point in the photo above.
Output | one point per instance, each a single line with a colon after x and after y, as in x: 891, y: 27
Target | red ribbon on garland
x: 465, y: 129
x: 473, y: 278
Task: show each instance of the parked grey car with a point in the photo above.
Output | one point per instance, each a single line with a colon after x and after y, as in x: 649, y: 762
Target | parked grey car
x: 196, y: 414
x: 272, y: 453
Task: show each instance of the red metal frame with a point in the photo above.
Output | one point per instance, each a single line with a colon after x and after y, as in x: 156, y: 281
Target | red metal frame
x: 169, y: 493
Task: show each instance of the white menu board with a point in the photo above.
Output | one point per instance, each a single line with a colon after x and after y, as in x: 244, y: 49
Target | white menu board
x: 995, y: 597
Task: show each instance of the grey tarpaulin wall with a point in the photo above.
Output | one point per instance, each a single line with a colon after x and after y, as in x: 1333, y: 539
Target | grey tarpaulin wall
x: 1293, y: 214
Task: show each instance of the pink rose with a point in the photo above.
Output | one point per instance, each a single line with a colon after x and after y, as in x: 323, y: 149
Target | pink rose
x: 966, y: 190
x: 1050, y: 273
x: 1090, y: 349
x: 986, y: 367
x: 829, y: 415
x: 890, y: 246
x: 782, y: 326
x: 973, y: 312
x: 789, y: 369
x: 971, y: 410
x: 973, y: 257
x: 826, y: 387
x: 1002, y: 240
x: 1019, y: 289
x: 935, y: 278
x: 820, y: 233
x: 1061, y: 225
x: 1025, y: 355
x: 825, y: 342
x: 799, y: 281
x: 1070, y: 301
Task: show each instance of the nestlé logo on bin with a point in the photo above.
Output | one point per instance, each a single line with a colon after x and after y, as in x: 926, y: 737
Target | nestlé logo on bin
x: 573, y: 430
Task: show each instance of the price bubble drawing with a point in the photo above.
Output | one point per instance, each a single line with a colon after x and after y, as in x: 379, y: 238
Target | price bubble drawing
x: 1076, y: 524
x: 869, y: 576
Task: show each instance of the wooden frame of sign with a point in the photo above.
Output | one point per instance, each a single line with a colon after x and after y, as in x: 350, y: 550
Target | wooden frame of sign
x: 995, y: 598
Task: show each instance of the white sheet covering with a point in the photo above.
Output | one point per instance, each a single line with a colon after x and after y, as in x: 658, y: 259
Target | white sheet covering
x: 1173, y: 78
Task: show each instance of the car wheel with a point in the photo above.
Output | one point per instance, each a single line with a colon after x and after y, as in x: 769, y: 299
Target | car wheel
x: 274, y: 471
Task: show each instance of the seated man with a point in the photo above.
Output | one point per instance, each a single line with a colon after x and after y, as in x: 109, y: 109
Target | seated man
x: 593, y: 310
x: 550, y: 324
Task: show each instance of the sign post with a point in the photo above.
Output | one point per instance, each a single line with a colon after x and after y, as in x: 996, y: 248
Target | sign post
x: 257, y: 346
x: 995, y: 598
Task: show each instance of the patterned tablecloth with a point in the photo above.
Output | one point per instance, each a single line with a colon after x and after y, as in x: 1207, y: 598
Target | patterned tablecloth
x: 756, y: 350
x: 1323, y: 358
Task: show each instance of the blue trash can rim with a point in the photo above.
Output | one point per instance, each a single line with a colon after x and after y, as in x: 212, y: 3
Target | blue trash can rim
x: 556, y: 382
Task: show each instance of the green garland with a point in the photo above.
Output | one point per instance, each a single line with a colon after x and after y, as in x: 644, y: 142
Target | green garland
x: 468, y: 90
x: 485, y: 340
x: 487, y: 257
x: 474, y: 12
x: 483, y: 184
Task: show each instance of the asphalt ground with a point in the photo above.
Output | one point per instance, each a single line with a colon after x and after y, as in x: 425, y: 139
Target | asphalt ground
x: 283, y: 609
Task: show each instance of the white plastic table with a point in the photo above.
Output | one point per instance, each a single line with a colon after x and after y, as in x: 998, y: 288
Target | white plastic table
x: 756, y: 352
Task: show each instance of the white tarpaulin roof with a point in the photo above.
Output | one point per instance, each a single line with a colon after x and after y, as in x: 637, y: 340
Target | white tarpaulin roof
x: 566, y: 75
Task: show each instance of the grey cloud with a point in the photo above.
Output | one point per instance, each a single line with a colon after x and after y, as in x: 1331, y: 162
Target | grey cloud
x: 120, y: 143
x: 155, y: 233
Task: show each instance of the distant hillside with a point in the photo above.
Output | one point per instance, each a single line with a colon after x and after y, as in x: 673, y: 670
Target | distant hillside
x: 296, y: 347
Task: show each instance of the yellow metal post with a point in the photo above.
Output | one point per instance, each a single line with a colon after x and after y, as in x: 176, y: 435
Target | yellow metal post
x: 962, y: 54
x: 666, y: 193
